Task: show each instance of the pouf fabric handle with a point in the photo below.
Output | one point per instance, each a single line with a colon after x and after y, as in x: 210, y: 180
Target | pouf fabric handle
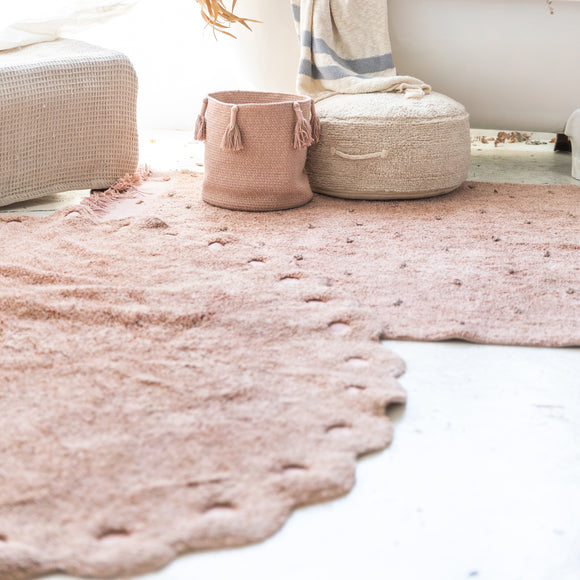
x: 383, y: 154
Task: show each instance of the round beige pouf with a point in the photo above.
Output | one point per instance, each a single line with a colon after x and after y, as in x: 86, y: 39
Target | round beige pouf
x: 388, y: 146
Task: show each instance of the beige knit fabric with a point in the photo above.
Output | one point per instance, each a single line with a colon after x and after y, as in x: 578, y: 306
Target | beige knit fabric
x: 345, y: 48
x: 385, y: 146
x: 268, y: 172
x: 168, y: 385
x: 68, y: 119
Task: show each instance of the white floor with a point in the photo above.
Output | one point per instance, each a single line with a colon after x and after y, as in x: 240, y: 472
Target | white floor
x: 483, y: 478
x: 482, y: 481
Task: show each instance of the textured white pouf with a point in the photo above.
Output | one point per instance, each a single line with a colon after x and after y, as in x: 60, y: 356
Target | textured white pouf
x: 387, y: 146
x: 67, y: 119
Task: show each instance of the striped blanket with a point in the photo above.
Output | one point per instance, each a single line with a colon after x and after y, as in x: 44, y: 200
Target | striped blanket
x: 345, y: 48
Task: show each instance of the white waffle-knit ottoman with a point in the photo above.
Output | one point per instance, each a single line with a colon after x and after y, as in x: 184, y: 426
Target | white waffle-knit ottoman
x: 67, y: 119
x: 387, y: 146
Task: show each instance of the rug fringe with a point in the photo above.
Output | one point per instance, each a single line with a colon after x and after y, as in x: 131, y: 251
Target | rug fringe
x: 125, y: 188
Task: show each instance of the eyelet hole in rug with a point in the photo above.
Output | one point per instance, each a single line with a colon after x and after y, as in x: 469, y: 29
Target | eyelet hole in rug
x: 339, y: 328
x: 113, y: 534
x: 356, y: 362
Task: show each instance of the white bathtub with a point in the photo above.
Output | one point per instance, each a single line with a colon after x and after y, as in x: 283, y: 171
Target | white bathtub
x: 511, y: 63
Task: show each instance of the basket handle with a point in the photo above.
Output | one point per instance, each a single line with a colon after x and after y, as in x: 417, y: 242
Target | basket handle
x: 232, y: 140
x: 382, y: 154
x: 200, y: 124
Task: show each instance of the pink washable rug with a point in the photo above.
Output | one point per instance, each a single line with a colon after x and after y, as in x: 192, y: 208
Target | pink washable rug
x: 184, y: 377
x: 162, y: 392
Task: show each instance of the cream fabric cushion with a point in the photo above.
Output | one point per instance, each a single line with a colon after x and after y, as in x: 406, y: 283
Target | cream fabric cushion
x: 67, y: 120
x: 388, y: 146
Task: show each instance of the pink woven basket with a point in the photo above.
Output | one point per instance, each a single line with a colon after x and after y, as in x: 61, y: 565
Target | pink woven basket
x: 255, y: 149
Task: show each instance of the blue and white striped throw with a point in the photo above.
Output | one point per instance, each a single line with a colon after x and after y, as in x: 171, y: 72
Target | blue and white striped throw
x: 345, y: 48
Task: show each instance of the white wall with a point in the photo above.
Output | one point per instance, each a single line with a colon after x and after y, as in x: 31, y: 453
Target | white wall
x: 178, y: 61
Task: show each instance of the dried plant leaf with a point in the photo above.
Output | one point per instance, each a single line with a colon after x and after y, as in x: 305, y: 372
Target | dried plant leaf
x: 220, y: 18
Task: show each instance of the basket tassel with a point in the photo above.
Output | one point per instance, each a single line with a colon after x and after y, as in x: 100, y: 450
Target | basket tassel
x: 232, y: 140
x: 200, y: 128
x: 314, y: 124
x: 302, y: 130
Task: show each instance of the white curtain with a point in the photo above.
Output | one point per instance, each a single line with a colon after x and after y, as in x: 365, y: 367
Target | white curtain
x: 29, y: 21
